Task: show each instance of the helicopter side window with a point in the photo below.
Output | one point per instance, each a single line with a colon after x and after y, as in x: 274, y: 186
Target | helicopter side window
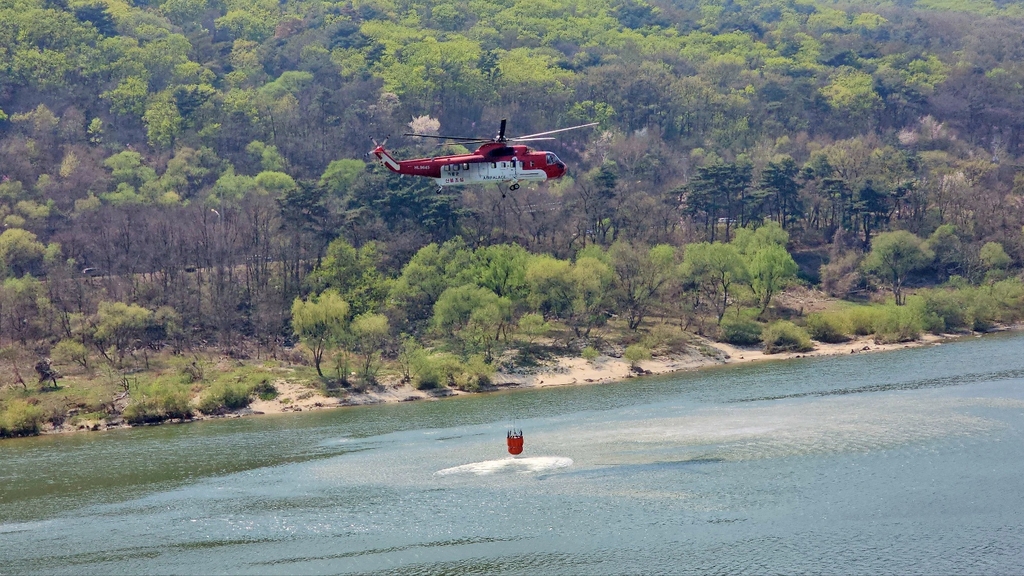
x: 494, y: 164
x: 550, y: 158
x: 465, y: 165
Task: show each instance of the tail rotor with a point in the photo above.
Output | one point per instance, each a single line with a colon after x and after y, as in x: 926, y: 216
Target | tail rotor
x: 378, y: 147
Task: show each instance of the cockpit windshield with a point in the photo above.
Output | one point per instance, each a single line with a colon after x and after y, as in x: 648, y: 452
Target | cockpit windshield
x: 551, y: 159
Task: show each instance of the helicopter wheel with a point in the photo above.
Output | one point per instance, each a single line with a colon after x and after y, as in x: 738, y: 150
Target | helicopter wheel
x: 514, y: 187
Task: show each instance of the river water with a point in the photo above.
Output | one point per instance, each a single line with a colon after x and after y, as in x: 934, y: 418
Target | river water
x: 908, y: 462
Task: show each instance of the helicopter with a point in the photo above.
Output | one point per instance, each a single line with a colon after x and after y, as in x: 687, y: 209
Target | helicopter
x: 498, y: 160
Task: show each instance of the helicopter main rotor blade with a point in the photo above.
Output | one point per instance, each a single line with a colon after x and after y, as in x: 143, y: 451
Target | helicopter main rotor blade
x: 556, y: 131
x: 531, y: 139
x: 456, y: 138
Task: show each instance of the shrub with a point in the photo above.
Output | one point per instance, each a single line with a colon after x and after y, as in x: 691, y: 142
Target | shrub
x: 664, y: 335
x: 70, y: 351
x: 983, y: 310
x: 784, y: 336
x: 142, y: 410
x: 531, y: 327
x: 740, y: 330
x: 898, y: 324
x: 474, y: 373
x: 264, y: 389
x: 590, y: 353
x: 21, y: 419
x: 1009, y: 296
x: 433, y: 370
x: 636, y: 353
x: 827, y: 327
x: 158, y: 401
x: 998, y: 303
x: 945, y: 310
x: 861, y: 319
x: 223, y: 396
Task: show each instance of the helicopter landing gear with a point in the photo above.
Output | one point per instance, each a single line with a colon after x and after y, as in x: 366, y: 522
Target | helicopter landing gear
x: 439, y: 188
x: 513, y: 187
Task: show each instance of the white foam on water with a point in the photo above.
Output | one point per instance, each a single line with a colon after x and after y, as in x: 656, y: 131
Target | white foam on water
x: 519, y: 465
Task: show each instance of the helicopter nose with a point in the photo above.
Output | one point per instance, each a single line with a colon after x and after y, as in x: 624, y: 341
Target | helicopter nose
x: 561, y: 168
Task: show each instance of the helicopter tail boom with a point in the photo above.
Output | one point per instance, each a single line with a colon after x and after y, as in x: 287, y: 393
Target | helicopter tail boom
x: 386, y: 159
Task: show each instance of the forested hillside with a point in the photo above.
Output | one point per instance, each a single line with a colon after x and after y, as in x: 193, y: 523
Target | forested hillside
x: 199, y: 164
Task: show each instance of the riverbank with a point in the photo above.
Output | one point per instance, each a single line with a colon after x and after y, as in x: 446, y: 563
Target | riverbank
x: 572, y: 371
x: 295, y: 394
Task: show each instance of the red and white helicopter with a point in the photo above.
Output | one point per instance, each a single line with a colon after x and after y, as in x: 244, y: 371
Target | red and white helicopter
x: 497, y: 160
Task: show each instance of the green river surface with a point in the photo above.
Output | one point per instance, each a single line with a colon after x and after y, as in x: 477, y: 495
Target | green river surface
x: 907, y: 462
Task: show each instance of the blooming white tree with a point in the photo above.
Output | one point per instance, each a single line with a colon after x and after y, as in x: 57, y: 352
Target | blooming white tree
x: 425, y: 125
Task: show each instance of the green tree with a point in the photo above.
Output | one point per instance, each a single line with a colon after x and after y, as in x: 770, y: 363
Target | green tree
x: 163, y: 121
x: 713, y: 268
x: 369, y: 336
x: 128, y: 98
x: 640, y: 274
x: 948, y: 249
x: 475, y: 317
x: 749, y: 240
x: 894, y: 256
x: 119, y: 328
x: 780, y: 191
x: 851, y: 93
x: 276, y: 183
x: 67, y: 351
x: 269, y: 157
x: 994, y: 257
x: 719, y: 192
x: 590, y: 281
x: 20, y: 302
x: 352, y: 274
x: 431, y: 271
x: 341, y: 174
x: 320, y: 322
x: 501, y: 268
x: 532, y: 326
x: 550, y: 286
x: 770, y: 269
x: 20, y: 251
x: 127, y: 168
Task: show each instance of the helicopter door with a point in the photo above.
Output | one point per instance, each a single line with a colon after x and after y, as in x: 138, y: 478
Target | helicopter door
x: 493, y: 171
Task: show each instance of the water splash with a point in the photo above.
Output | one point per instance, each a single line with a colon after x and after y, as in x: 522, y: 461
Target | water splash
x: 519, y: 465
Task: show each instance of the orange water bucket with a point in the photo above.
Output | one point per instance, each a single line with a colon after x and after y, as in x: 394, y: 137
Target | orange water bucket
x: 515, y: 444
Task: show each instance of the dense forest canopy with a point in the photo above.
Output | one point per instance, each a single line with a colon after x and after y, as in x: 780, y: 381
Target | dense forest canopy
x: 201, y: 156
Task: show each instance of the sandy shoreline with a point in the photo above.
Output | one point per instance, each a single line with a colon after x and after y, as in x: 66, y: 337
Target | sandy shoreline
x: 566, y: 371
x: 562, y: 371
